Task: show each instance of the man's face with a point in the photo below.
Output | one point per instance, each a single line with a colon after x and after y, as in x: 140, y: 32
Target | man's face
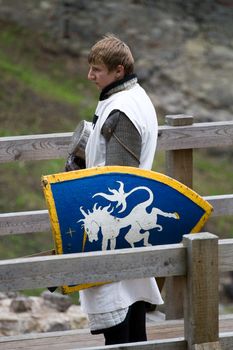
x: 100, y: 75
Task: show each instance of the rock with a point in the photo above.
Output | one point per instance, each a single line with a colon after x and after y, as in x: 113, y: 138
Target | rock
x: 78, y: 319
x: 219, y: 57
x: 21, y: 304
x: 41, y: 315
x: 58, y: 301
x: 12, y: 294
x: 9, y: 324
x: 45, y: 5
x: 195, y: 48
x: 56, y: 325
x: 2, y: 296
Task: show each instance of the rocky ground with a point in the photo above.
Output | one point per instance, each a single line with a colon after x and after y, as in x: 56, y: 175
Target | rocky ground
x: 183, y: 49
x: 47, y: 313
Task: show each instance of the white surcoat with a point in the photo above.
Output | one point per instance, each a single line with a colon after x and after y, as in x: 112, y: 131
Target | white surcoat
x: 138, y: 107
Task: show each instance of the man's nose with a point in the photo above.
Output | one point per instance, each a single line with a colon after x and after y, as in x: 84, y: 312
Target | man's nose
x: 90, y: 75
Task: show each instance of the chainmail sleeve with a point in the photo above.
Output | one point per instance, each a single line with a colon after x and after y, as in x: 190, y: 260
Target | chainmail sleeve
x: 123, y: 141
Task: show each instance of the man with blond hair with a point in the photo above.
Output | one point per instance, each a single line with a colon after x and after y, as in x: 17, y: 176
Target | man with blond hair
x: 124, y: 133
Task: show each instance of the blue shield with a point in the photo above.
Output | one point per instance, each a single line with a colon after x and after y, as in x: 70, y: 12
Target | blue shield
x: 108, y: 208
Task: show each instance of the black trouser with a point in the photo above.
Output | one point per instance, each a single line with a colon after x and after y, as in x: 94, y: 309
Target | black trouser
x: 132, y: 329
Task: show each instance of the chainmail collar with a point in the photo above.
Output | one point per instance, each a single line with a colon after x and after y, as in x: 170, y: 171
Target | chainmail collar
x: 124, y: 84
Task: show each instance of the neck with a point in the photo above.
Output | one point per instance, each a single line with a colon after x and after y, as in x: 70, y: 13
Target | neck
x: 123, y: 84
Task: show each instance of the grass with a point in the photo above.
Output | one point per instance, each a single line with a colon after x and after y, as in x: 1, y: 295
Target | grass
x: 213, y: 176
x: 41, y: 83
x: 40, y: 91
x: 213, y: 173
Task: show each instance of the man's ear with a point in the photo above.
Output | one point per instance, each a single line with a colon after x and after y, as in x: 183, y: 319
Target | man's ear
x: 120, y: 72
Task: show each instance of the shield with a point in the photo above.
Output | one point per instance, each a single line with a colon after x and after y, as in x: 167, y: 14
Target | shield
x: 115, y: 207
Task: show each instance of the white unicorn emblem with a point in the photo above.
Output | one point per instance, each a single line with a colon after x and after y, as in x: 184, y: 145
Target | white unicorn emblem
x: 137, y: 220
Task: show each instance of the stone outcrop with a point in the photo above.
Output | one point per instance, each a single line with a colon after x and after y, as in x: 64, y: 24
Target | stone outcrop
x: 47, y: 313
x: 183, y: 49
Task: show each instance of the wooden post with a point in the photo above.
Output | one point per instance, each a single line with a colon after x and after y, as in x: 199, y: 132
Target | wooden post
x: 179, y: 165
x: 201, y: 292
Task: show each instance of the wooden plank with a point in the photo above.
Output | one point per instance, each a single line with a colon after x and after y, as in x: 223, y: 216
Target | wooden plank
x: 165, y: 333
x: 225, y: 255
x: 171, y: 344
x: 38, y: 220
x: 222, y: 204
x: 56, y: 343
x: 69, y: 269
x: 166, y: 344
x: 198, y: 135
x: 24, y: 222
x: 226, y: 343
x: 54, y: 340
x: 179, y: 119
x: 226, y: 340
x: 82, y: 338
x: 207, y: 346
x: 201, y: 290
x: 52, y: 146
x: 34, y: 147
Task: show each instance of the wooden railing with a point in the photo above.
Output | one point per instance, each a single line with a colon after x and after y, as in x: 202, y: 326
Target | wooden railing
x: 191, y: 268
x: 198, y: 259
x: 53, y: 146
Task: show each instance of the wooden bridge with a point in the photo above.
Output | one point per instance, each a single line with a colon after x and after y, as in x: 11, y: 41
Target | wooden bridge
x: 191, y: 268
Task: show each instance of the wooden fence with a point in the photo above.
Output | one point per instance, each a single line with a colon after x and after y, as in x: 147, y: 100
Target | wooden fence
x: 191, y: 267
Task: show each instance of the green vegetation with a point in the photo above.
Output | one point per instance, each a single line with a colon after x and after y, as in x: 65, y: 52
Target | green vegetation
x: 43, y: 91
x: 213, y: 172
x: 41, y: 83
x: 42, y: 88
x: 213, y: 176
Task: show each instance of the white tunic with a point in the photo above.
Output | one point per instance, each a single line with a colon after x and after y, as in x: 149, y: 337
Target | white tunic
x: 136, y: 104
x: 138, y: 107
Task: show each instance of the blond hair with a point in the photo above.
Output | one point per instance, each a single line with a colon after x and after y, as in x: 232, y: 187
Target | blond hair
x: 112, y: 52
